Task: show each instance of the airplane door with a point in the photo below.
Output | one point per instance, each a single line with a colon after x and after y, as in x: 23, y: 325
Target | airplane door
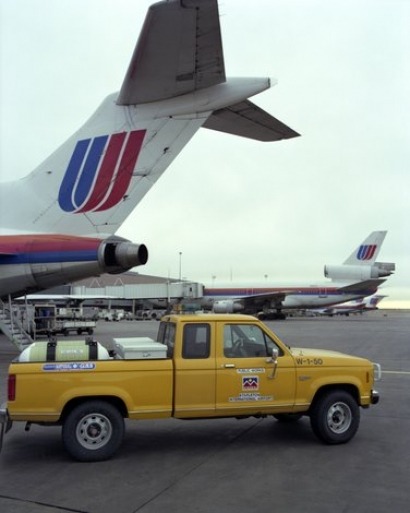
x: 247, y: 379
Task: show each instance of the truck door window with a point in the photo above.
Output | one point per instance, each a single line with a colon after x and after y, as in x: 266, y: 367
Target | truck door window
x: 195, y: 343
x: 246, y: 341
x: 166, y: 335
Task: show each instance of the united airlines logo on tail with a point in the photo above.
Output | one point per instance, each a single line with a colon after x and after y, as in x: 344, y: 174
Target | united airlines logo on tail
x: 99, y: 172
x: 366, y: 251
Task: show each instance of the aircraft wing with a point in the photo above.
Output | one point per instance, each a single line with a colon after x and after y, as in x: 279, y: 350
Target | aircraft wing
x: 364, y: 286
x: 260, y: 299
x: 179, y: 51
x: 248, y: 120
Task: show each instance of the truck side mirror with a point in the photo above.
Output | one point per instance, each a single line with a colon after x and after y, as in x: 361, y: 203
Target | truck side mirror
x: 274, y: 360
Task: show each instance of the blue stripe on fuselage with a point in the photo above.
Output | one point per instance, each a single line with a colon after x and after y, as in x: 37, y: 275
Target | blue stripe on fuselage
x: 47, y: 257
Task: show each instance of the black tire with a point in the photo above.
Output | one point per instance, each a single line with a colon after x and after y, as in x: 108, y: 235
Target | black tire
x: 288, y: 417
x: 93, y: 431
x: 335, y: 417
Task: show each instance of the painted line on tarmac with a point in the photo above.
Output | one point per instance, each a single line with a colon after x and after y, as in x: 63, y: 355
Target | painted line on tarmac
x: 395, y: 372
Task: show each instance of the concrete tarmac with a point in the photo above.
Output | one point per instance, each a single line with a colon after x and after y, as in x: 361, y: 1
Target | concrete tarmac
x: 229, y: 465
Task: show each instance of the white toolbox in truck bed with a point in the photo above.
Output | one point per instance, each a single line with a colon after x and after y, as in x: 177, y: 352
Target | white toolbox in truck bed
x: 139, y: 348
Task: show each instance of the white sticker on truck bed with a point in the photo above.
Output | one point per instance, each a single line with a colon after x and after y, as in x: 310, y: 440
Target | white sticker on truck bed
x: 68, y: 367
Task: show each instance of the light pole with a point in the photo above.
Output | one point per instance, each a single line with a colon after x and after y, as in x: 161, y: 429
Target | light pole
x: 180, y: 265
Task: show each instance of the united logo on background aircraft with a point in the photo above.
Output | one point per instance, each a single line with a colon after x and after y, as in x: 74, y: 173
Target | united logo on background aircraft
x: 99, y: 172
x: 366, y: 251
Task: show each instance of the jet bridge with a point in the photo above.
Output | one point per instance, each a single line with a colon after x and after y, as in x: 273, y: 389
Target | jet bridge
x: 166, y: 291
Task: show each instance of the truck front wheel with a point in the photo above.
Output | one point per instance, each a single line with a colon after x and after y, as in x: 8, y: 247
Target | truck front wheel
x: 335, y: 417
x: 93, y: 431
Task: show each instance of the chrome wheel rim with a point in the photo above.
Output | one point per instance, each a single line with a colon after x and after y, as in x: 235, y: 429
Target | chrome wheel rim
x: 339, y: 418
x: 94, y: 431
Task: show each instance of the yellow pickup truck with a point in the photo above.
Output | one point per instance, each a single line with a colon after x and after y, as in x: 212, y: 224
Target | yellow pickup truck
x: 200, y: 366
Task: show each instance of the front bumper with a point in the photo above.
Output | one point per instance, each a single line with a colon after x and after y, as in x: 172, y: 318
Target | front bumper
x: 5, y: 423
x: 374, y: 397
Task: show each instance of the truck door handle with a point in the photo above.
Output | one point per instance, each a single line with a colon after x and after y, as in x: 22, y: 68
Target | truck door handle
x: 229, y: 365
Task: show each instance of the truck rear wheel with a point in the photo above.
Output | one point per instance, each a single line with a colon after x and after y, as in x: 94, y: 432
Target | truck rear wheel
x: 93, y: 431
x: 335, y: 417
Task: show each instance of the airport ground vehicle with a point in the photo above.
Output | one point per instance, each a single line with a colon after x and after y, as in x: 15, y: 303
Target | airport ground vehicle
x: 45, y: 319
x: 147, y: 315
x: 200, y: 366
x: 112, y: 315
x: 79, y: 326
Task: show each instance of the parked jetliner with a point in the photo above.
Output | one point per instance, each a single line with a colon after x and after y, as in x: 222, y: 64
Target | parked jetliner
x: 57, y: 224
x: 359, y: 276
x: 351, y: 307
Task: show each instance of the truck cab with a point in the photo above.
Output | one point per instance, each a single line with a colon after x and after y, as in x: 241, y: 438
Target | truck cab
x: 227, y: 365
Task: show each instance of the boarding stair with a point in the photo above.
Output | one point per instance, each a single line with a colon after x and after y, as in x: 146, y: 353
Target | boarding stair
x: 12, y: 327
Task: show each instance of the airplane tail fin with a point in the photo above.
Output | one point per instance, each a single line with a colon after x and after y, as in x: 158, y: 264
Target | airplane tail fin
x: 175, y: 83
x: 366, y: 253
x: 361, y: 264
x: 94, y: 180
x: 373, y: 301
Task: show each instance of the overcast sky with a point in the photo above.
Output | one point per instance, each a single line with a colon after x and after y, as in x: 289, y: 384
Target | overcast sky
x: 239, y: 210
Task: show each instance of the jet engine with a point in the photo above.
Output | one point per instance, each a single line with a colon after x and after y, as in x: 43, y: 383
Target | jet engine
x: 227, y: 306
x: 116, y: 255
x: 40, y: 261
x: 359, y: 272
